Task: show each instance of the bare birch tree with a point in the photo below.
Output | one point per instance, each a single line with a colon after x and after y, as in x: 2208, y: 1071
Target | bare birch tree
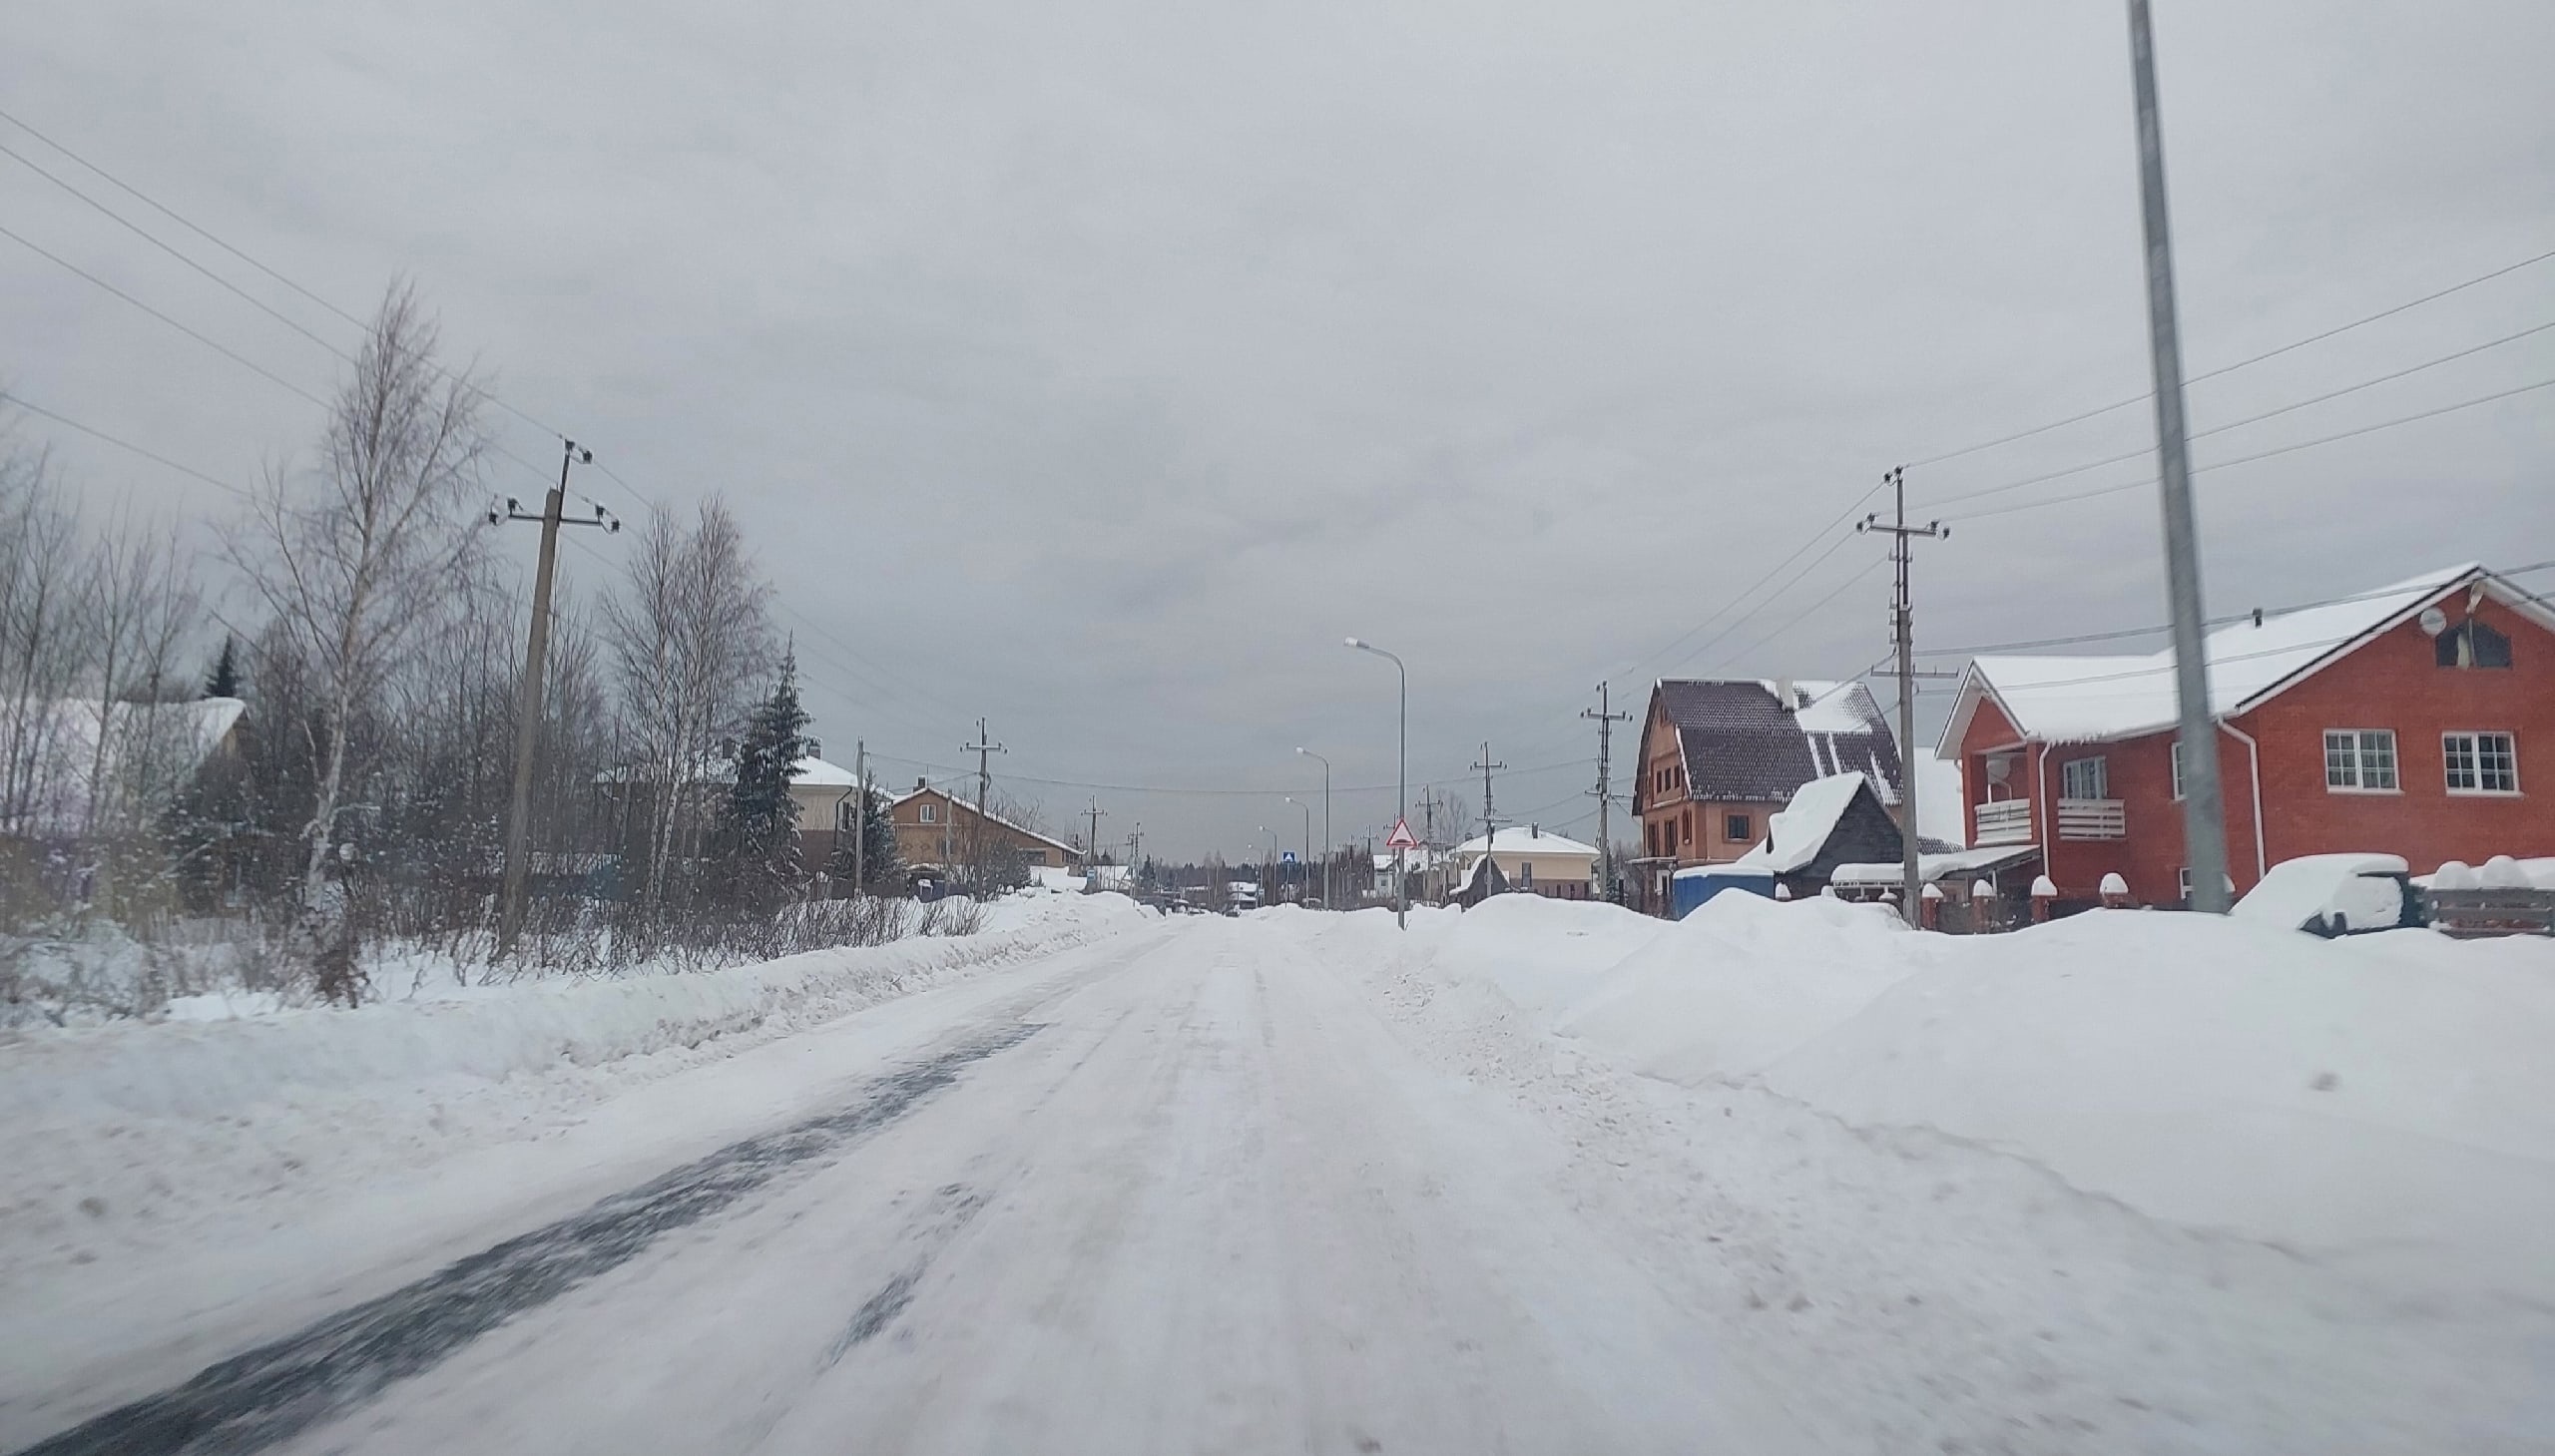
x: 348, y: 558
x: 690, y: 638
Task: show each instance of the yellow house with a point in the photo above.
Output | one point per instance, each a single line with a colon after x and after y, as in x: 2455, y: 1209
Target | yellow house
x: 1530, y: 860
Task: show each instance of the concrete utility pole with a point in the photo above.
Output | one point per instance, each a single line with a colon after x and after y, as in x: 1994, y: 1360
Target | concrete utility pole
x: 1134, y: 851
x: 1606, y: 718
x: 1431, y: 879
x: 1091, y: 860
x: 1903, y: 628
x: 1489, y: 825
x: 983, y: 746
x: 2204, y: 803
x: 1327, y: 843
x: 860, y: 817
x: 536, y: 658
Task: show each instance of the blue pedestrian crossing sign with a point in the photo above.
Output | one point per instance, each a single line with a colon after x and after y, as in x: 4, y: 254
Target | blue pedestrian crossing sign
x: 1286, y: 856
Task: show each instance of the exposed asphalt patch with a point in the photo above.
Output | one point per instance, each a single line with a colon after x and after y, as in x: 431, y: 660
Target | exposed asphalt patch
x: 951, y: 1210
x: 281, y: 1390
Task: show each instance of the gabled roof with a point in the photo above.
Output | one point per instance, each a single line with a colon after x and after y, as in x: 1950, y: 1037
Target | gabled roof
x: 1796, y: 834
x: 1741, y: 742
x: 988, y: 816
x: 2095, y: 698
x: 1523, y: 839
x: 60, y: 736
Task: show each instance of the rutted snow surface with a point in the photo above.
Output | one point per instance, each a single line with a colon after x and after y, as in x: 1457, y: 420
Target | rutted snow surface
x: 1298, y: 1182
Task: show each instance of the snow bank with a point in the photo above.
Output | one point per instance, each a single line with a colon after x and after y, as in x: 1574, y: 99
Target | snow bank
x: 203, y: 1064
x: 1740, y: 982
x: 120, y: 1134
x: 1542, y: 953
x: 2390, y: 1094
x: 2383, y: 1097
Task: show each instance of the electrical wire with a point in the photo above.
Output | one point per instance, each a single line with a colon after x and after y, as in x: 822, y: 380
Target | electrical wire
x: 233, y: 356
x: 2244, y: 364
x: 31, y: 407
x: 2352, y: 434
x: 2146, y: 451
x: 2229, y: 620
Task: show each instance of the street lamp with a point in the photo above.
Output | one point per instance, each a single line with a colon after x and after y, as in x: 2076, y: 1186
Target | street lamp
x: 1402, y: 782
x: 1305, y: 868
x: 1327, y: 843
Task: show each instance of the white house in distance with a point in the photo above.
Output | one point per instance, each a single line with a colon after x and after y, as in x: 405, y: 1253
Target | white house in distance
x: 1532, y: 861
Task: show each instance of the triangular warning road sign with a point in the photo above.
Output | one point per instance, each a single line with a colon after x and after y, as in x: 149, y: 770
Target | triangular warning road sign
x: 1401, y: 837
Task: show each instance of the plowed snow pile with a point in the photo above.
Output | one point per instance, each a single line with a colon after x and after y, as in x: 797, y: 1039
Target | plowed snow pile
x: 2387, y: 1099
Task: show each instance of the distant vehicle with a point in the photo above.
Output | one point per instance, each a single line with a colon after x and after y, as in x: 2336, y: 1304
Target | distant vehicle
x: 2334, y: 894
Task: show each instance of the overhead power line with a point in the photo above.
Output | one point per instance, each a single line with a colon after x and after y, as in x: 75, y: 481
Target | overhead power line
x: 31, y: 407
x: 243, y: 361
x: 2145, y: 451
x: 2243, y: 363
x: 2370, y: 429
x: 2228, y: 620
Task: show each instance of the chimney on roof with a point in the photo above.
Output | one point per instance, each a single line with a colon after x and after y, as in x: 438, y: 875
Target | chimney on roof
x: 921, y: 784
x: 1534, y: 831
x: 1784, y: 697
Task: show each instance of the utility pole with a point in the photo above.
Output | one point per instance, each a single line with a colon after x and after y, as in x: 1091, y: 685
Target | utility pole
x: 1092, y: 860
x: 983, y: 746
x: 1431, y: 877
x: 1489, y: 825
x: 528, y: 694
x: 1903, y: 628
x: 1134, y: 850
x: 1606, y: 718
x: 1330, y: 847
x: 860, y: 817
x: 2204, y: 803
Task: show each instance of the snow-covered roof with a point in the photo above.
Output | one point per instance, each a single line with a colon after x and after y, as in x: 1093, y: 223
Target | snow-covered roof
x: 814, y: 773
x: 1931, y: 868
x: 163, y: 743
x: 1795, y: 834
x: 1525, y: 839
x: 987, y: 815
x: 2090, y: 699
x: 1743, y: 741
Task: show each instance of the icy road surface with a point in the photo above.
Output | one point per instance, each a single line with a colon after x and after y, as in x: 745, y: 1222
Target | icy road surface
x: 1269, y: 1186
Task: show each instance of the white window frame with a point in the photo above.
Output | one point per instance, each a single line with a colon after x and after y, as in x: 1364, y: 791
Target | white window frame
x: 2095, y: 768
x: 931, y: 812
x: 2359, y: 760
x: 2183, y: 882
x: 2475, y: 739
x: 2178, y: 769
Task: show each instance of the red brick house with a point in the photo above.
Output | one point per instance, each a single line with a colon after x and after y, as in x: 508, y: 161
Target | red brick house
x: 1721, y: 756
x: 2403, y: 720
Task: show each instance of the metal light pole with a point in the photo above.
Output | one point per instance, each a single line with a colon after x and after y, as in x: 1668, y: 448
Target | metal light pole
x: 1327, y: 902
x: 1401, y: 782
x: 2204, y: 805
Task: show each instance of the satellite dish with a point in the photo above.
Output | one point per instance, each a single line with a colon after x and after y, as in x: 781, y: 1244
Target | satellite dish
x: 1999, y: 769
x: 2434, y: 621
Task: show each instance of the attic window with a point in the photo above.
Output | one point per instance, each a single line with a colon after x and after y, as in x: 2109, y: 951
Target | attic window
x: 2472, y: 644
x: 930, y: 814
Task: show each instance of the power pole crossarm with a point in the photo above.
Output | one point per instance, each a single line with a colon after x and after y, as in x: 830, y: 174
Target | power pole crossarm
x: 528, y: 693
x: 1902, y: 625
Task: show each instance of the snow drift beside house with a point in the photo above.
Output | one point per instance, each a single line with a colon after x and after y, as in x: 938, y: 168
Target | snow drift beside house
x: 2384, y: 1099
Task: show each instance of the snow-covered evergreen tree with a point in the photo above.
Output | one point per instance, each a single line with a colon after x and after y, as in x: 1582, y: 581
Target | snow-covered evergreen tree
x: 762, y: 819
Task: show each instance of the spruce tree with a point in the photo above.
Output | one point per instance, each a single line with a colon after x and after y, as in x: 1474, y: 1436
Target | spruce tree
x: 225, y: 681
x: 762, y: 819
x: 880, y: 865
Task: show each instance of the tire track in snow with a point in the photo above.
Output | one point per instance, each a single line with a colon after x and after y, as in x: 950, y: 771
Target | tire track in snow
x: 278, y: 1390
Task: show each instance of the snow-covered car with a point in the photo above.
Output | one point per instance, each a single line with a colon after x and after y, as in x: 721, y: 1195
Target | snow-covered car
x: 2334, y: 894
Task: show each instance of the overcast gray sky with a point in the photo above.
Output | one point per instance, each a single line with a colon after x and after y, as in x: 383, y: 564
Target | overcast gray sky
x: 1097, y: 367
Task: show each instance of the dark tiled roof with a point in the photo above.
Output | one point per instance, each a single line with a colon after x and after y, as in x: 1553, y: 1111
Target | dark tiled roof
x: 1740, y: 743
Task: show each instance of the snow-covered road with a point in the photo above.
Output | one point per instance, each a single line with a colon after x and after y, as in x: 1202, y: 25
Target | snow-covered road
x: 1276, y: 1183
